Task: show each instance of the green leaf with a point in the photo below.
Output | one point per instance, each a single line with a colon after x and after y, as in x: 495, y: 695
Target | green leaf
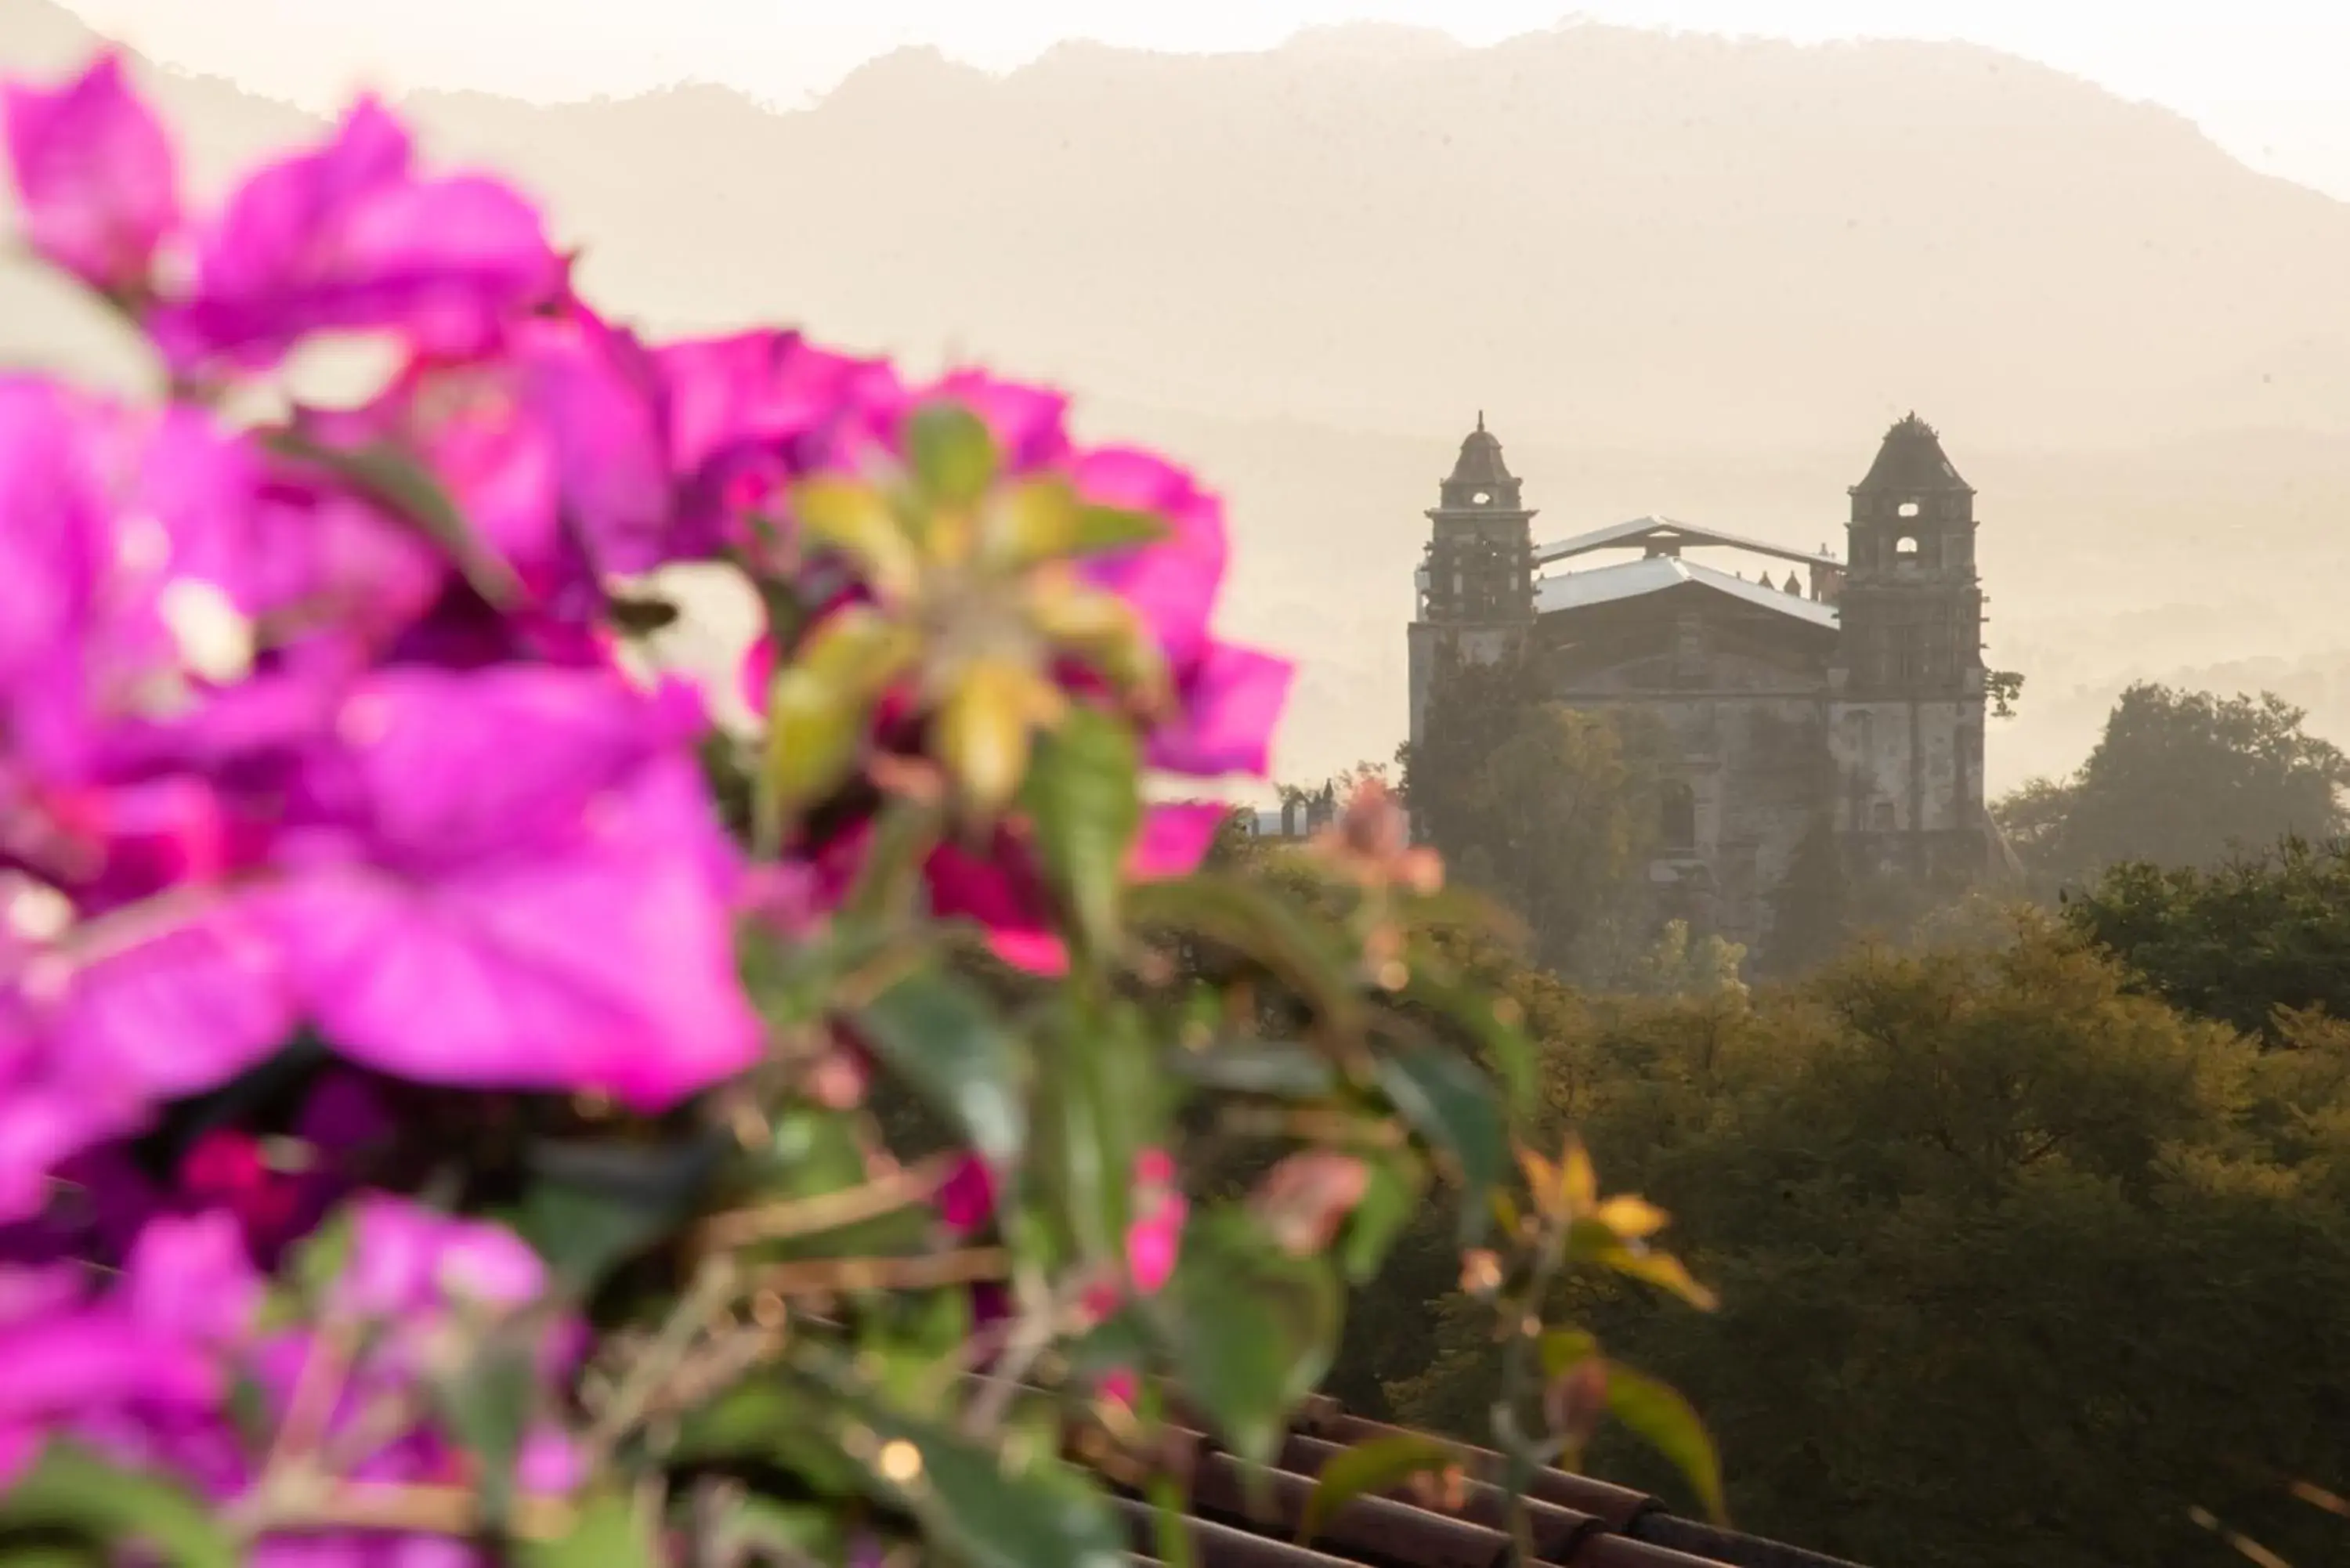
x: 1276, y: 1069
x: 818, y: 705
x: 858, y: 521
x: 943, y: 1039
x: 589, y: 1207
x: 397, y: 482
x: 1018, y: 1508
x: 1261, y: 925
x: 771, y: 1529
x: 1104, y: 528
x: 1101, y: 1101
x: 606, y: 1532
x: 319, y: 1259
x: 1450, y: 1102
x: 1044, y: 1515
x: 1389, y: 1205
x: 1083, y: 796
x: 1043, y: 519
x: 70, y: 1491
x: 953, y: 454
x: 1564, y: 1349
x: 1371, y: 1466
x: 1667, y: 1423
x: 1475, y: 1009
x: 771, y: 1421
x: 1251, y: 1329
x: 489, y: 1403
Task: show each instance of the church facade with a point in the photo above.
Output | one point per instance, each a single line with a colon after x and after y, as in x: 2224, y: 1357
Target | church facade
x: 1842, y: 709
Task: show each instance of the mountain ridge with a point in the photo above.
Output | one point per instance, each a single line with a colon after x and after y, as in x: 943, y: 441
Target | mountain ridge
x: 1683, y: 273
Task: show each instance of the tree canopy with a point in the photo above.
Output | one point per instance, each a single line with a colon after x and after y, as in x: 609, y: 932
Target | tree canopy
x: 2017, y: 1264
x: 2180, y: 778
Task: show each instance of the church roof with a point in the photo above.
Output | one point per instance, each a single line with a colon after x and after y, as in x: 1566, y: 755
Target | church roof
x: 1480, y: 459
x: 1633, y: 579
x: 1911, y: 459
x: 1666, y: 531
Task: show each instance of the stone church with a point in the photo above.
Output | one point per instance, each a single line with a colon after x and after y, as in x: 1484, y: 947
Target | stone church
x: 1846, y: 700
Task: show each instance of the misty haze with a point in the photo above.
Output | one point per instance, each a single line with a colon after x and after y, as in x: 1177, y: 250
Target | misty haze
x: 1681, y: 275
x: 1628, y: 848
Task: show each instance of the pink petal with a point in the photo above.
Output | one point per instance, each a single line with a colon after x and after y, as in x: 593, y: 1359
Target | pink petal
x: 604, y: 965
x: 1172, y: 582
x: 448, y: 765
x: 1153, y: 1242
x: 967, y: 1198
x: 94, y: 172
x: 1231, y: 701
x: 178, y: 1008
x: 191, y: 1277
x: 345, y: 237
x: 1118, y: 1387
x: 1174, y: 838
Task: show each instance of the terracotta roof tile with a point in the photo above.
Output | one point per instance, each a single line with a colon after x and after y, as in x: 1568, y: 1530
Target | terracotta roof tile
x: 1577, y: 1521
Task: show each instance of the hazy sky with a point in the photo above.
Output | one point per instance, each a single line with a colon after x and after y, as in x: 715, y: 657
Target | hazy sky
x: 2268, y: 78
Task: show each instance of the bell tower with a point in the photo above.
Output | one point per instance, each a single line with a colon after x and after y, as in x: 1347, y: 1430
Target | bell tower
x: 1908, y: 685
x: 1475, y: 586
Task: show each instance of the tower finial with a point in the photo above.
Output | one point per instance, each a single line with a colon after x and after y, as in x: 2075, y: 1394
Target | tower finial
x: 1481, y: 421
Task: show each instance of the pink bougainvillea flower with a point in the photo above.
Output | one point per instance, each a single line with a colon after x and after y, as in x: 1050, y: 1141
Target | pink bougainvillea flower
x: 1174, y: 839
x: 1119, y: 1386
x: 348, y: 237
x: 998, y: 886
x: 529, y: 857
x: 1154, y: 1237
x: 407, y: 1261
x: 148, y: 1354
x: 551, y: 447
x: 746, y: 413
x: 56, y: 556
x: 425, y: 1282
x: 966, y: 1199
x: 103, y: 1022
x: 1171, y: 581
x: 94, y: 176
x: 1228, y: 703
x: 211, y: 508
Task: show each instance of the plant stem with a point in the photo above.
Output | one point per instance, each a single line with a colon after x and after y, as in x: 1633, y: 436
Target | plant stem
x: 827, y: 1212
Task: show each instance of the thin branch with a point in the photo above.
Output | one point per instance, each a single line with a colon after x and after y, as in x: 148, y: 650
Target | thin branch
x: 825, y: 1212
x: 828, y: 1275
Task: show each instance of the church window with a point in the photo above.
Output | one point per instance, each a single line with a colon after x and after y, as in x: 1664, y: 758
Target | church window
x: 1904, y: 548
x: 1677, y: 820
x: 1909, y: 509
x: 1880, y: 816
x: 1482, y: 498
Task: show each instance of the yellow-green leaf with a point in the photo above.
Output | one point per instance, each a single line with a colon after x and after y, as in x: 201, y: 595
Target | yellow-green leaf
x: 984, y: 731
x: 1368, y: 1468
x: 1563, y: 1348
x: 1592, y: 1243
x: 953, y: 451
x: 1667, y: 1423
x: 605, y: 1532
x: 858, y: 521
x: 818, y: 707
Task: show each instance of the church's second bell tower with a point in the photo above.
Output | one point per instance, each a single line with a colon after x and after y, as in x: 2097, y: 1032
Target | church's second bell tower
x: 1475, y: 586
x: 1908, y: 683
